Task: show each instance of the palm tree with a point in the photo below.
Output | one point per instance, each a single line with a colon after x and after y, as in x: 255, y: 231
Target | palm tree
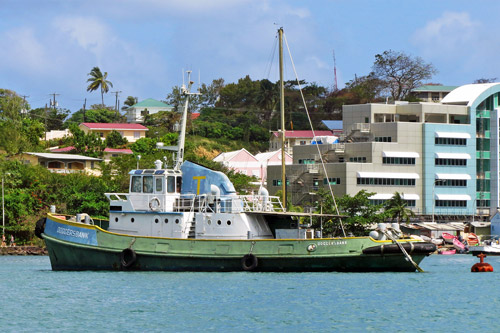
x: 395, y: 207
x: 98, y: 80
x: 129, y: 102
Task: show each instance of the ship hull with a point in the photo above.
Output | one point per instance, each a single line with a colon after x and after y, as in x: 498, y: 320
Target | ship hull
x: 76, y: 246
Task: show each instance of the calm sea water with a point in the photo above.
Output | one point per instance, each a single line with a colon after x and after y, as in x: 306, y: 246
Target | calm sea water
x: 448, y: 297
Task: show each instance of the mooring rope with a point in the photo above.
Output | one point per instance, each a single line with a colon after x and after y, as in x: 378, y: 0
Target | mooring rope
x: 388, y: 234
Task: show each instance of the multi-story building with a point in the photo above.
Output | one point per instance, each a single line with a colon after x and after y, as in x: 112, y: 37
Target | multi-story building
x: 442, y: 157
x: 432, y: 92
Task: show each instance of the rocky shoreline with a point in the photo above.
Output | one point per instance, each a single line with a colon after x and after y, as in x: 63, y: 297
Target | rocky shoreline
x: 23, y: 251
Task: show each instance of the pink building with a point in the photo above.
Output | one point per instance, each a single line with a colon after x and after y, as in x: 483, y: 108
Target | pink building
x: 244, y: 162
x: 271, y: 158
x: 241, y: 161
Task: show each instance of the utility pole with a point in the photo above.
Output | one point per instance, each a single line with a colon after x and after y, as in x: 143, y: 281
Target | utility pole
x: 24, y: 111
x: 45, y: 122
x: 116, y: 102
x: 84, y: 106
x: 53, y: 103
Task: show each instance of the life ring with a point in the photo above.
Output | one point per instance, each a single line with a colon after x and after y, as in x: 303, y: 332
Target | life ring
x: 155, y: 204
x: 249, y: 262
x: 128, y: 257
x: 40, y: 227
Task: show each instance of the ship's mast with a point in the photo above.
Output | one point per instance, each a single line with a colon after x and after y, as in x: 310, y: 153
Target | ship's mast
x: 185, y: 91
x: 282, y: 109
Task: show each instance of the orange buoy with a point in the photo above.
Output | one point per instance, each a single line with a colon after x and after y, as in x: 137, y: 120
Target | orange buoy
x: 481, y: 266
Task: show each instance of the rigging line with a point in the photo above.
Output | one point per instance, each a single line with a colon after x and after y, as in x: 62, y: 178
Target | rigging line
x: 271, y: 58
x: 310, y: 123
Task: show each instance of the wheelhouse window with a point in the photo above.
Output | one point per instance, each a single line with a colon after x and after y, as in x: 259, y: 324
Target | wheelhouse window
x: 170, y: 184
x: 147, y: 186
x: 159, y: 184
x: 136, y: 184
x: 179, y: 184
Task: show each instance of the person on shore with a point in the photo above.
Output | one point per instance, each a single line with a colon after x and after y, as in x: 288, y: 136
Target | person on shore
x: 12, y: 240
x: 4, y: 244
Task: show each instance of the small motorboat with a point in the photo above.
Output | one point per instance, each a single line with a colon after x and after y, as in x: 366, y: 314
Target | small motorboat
x: 473, y: 239
x: 448, y: 238
x: 437, y: 241
x: 458, y: 245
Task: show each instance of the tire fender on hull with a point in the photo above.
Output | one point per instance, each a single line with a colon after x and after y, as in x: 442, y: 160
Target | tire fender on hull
x: 249, y: 262
x: 128, y: 257
x: 40, y: 227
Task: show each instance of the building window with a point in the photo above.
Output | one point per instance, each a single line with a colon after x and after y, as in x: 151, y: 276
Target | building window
x: 451, y: 162
x: 302, y: 142
x: 383, y: 139
x: 333, y: 181
x: 277, y: 182
x: 137, y: 134
x: 399, y: 160
x: 55, y: 165
x: 450, y: 141
x: 358, y: 159
x: 482, y: 203
x: 451, y: 183
x: 307, y: 161
x: 451, y: 203
x: 386, y: 181
x: 409, y: 203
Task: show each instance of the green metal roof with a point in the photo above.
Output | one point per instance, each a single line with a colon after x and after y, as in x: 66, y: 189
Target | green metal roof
x: 151, y: 103
x: 434, y: 88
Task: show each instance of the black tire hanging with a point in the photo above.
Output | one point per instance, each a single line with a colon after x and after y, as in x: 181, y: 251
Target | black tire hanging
x: 249, y: 262
x: 40, y: 227
x: 128, y: 257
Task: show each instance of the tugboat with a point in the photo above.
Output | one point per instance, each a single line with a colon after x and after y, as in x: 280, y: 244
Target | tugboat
x: 190, y: 218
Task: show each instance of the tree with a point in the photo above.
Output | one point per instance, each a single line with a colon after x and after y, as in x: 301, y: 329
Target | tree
x: 401, y: 72
x: 97, y: 114
x: 395, y: 207
x: 86, y: 144
x: 129, y: 102
x: 55, y: 117
x: 360, y: 213
x: 115, y: 140
x: 484, y: 80
x: 366, y: 89
x: 99, y: 80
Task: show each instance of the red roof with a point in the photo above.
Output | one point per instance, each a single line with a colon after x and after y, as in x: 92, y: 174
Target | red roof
x: 118, y: 150
x: 304, y: 134
x: 62, y: 150
x: 114, y: 126
x: 195, y: 115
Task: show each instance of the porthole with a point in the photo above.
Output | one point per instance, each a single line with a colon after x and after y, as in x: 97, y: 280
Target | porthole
x: 176, y: 221
x: 209, y: 222
x: 166, y: 220
x: 132, y: 220
x: 156, y: 220
x: 219, y: 222
x: 116, y: 219
x: 228, y: 222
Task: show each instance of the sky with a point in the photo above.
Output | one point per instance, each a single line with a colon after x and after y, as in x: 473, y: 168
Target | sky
x: 50, y: 46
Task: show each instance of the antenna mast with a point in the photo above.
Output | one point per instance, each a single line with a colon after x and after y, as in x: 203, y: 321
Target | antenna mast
x: 335, y: 87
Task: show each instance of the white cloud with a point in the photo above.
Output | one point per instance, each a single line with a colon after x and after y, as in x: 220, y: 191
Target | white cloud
x: 449, y: 33
x: 23, y: 51
x: 89, y: 33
